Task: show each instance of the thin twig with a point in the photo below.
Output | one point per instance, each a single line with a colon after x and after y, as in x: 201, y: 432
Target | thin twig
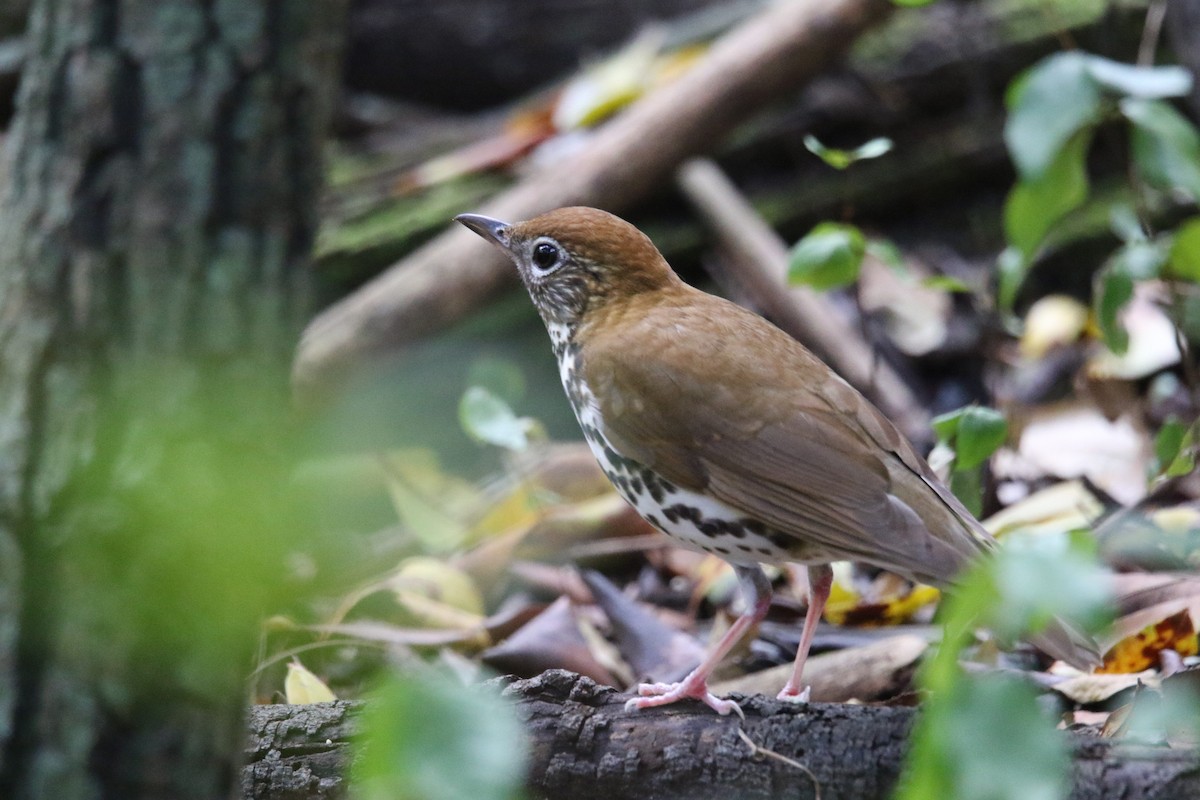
x: 756, y: 750
x: 1155, y: 15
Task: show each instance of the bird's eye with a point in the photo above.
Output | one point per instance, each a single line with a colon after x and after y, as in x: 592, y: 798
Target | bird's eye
x: 546, y: 256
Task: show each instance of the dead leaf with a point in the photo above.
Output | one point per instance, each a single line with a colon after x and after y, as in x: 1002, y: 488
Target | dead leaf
x: 870, y: 672
x: 887, y: 600
x: 551, y: 640
x: 1052, y: 321
x: 1140, y: 651
x: 1092, y: 689
x: 302, y: 687
x: 653, y: 650
x: 1074, y: 440
x: 1065, y: 506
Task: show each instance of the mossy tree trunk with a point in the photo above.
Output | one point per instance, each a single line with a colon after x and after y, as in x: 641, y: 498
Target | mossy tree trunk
x: 156, y: 217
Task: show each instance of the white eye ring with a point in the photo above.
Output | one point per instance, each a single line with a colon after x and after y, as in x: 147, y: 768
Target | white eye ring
x: 545, y: 256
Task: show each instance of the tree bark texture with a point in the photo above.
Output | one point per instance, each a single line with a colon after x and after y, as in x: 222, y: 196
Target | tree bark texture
x: 585, y: 745
x: 158, y: 209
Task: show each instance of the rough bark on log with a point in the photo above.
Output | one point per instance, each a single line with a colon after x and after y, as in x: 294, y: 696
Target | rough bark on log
x: 761, y: 60
x: 585, y: 745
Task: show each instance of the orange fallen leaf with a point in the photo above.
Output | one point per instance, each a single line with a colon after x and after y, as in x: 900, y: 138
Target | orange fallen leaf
x: 1141, y: 650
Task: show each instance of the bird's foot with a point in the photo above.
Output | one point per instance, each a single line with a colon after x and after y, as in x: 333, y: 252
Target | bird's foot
x: 662, y: 694
x: 793, y: 694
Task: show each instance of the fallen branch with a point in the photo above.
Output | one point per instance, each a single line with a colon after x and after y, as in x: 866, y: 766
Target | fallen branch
x: 584, y: 745
x: 761, y: 260
x: 765, y: 58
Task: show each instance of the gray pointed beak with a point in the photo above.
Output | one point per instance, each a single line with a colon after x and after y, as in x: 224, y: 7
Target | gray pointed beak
x: 493, y: 230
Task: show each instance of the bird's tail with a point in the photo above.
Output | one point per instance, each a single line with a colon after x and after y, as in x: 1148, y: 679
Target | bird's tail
x: 1065, y: 642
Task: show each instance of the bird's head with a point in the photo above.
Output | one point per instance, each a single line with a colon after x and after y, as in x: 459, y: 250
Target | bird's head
x: 576, y: 260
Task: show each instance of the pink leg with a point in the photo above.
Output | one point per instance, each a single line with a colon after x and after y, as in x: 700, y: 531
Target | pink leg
x: 757, y: 592
x: 820, y: 579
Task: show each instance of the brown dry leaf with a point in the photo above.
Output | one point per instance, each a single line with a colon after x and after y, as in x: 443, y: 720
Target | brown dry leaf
x: 570, y: 531
x: 653, y: 649
x: 551, y: 640
x: 494, y: 152
x: 1084, y: 717
x: 1115, y: 724
x: 1141, y: 651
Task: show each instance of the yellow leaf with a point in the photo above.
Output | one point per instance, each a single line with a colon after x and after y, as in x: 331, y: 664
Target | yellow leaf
x: 1141, y: 651
x: 518, y: 508
x: 436, y: 580
x: 1062, y: 507
x: 610, y: 85
x: 422, y: 494
x: 1052, y: 321
x: 302, y: 687
x: 891, y: 601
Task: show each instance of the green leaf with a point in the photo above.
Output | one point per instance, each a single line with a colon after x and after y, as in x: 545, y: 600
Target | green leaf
x: 1124, y: 223
x: 488, y: 419
x: 983, y: 736
x: 1130, y: 80
x: 945, y: 426
x: 840, y: 159
x: 1039, y: 576
x: 829, y: 257
x: 500, y: 377
x: 1184, y: 257
x: 1114, y: 289
x: 1048, y: 105
x: 1142, y: 260
x: 1167, y: 443
x: 1166, y: 146
x: 887, y: 253
x: 946, y: 283
x: 967, y: 486
x: 1175, y: 448
x: 430, y: 739
x: 1011, y: 269
x: 912, y: 3
x: 981, y: 431
x: 994, y: 762
x: 1036, y: 204
x: 1184, y: 462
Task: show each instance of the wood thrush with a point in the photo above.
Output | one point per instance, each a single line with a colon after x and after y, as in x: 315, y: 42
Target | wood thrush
x: 728, y: 435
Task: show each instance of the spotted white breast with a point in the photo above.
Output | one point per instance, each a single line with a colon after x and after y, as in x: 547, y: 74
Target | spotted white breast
x: 693, y: 519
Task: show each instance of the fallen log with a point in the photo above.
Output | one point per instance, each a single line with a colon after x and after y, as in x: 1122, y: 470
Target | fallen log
x: 584, y: 745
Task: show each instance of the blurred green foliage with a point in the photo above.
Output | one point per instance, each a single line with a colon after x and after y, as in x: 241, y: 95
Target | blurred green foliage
x: 427, y: 738
x: 176, y: 520
x: 983, y: 737
x: 973, y: 434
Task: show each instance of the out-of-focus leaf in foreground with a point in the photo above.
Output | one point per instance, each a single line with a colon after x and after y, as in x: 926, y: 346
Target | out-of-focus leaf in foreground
x: 427, y: 738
